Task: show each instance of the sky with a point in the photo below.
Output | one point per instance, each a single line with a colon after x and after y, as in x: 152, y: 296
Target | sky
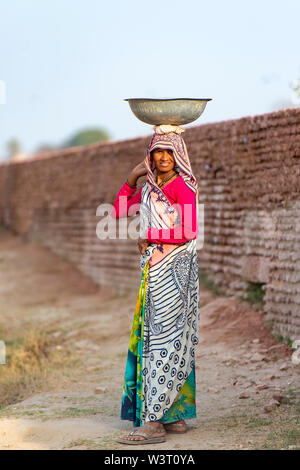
x: 68, y: 65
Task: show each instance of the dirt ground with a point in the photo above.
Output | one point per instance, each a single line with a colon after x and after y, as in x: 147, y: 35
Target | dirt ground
x: 240, y: 366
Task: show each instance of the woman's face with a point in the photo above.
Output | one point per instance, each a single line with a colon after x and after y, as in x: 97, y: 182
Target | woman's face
x: 163, y: 159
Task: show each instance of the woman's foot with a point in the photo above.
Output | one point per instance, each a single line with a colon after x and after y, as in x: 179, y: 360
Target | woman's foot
x: 149, y: 433
x: 178, y: 427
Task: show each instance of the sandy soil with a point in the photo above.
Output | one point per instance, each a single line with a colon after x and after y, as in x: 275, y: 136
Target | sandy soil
x: 240, y: 367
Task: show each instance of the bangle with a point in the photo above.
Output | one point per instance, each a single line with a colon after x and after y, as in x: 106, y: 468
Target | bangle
x: 133, y: 187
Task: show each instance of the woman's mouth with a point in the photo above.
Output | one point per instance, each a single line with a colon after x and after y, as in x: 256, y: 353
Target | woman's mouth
x: 164, y: 164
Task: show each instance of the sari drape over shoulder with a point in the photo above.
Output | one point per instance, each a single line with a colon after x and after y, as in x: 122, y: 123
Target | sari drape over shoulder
x: 159, y: 380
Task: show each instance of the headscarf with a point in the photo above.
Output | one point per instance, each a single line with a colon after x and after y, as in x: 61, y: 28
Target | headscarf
x: 168, y: 137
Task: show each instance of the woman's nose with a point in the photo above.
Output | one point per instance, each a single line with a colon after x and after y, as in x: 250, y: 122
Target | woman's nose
x: 166, y: 155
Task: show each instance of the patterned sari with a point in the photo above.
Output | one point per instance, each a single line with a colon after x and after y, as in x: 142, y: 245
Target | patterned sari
x: 159, y: 380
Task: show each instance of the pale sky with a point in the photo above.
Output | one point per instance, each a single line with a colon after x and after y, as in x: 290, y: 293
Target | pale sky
x: 68, y: 64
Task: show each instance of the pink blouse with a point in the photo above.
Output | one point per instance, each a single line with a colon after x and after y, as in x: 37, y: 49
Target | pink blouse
x: 177, y: 192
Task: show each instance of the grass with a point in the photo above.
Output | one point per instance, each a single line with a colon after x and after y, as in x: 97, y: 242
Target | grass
x: 283, y: 339
x: 254, y: 294
x: 87, y: 444
x: 282, y: 439
x: 256, y: 422
x: 104, y: 443
x: 29, y: 363
x: 284, y: 425
x: 73, y: 412
x: 279, y: 430
x: 277, y: 336
x: 208, y: 284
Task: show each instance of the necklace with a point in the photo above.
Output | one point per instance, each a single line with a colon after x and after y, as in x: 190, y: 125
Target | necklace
x: 165, y: 180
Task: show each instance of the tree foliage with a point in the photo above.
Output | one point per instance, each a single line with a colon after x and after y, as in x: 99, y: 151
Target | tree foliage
x: 13, y: 147
x: 86, y: 137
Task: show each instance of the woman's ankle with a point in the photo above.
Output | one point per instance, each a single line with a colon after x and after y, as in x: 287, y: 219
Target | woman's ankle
x: 180, y: 421
x: 155, y: 424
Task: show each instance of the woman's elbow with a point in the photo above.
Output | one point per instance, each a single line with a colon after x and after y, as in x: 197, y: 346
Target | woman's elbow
x: 115, y: 214
x: 189, y: 233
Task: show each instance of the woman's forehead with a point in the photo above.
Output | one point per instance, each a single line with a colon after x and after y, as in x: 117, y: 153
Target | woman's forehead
x: 162, y: 148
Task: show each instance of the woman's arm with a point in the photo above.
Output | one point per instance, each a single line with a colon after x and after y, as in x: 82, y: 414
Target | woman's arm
x: 125, y: 200
x: 186, y: 200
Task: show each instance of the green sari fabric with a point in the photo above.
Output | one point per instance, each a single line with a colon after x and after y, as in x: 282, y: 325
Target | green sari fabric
x: 184, y: 407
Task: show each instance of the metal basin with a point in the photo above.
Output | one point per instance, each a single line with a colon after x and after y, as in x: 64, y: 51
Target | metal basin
x: 174, y: 111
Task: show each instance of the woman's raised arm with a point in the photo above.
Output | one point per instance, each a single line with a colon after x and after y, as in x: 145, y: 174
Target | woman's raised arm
x: 126, y: 198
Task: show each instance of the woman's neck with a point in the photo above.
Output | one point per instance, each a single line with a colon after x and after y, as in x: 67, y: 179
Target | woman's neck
x: 165, y: 175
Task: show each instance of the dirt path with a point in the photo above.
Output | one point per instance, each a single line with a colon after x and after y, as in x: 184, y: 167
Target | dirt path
x: 240, y: 367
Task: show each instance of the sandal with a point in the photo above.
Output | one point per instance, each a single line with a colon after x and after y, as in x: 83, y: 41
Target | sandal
x: 147, y: 438
x: 176, y: 428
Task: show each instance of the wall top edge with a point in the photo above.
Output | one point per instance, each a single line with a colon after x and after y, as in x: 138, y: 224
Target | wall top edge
x: 257, y: 118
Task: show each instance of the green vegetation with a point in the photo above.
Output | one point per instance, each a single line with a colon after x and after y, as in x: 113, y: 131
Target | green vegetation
x: 86, y: 137
x: 208, y: 284
x: 283, y: 339
x: 29, y: 361
x: 254, y: 293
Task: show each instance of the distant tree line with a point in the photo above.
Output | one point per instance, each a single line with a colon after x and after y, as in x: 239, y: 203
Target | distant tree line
x: 83, y: 137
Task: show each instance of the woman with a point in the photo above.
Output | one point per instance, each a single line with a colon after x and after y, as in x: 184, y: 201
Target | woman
x: 159, y: 386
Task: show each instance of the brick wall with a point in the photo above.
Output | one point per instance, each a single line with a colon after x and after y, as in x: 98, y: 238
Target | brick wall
x: 249, y: 182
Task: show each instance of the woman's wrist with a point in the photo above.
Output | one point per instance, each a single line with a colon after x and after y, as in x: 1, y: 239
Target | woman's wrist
x: 131, y: 181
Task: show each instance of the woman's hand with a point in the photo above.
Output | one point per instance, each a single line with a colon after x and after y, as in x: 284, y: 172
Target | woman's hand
x: 143, y: 245
x: 138, y: 170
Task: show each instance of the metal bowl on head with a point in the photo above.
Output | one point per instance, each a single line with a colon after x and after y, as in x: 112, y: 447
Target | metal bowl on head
x: 175, y: 111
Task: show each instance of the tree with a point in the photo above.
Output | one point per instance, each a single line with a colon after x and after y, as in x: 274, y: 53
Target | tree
x: 87, y: 136
x: 44, y: 148
x: 295, y: 86
x: 282, y: 104
x: 13, y: 147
